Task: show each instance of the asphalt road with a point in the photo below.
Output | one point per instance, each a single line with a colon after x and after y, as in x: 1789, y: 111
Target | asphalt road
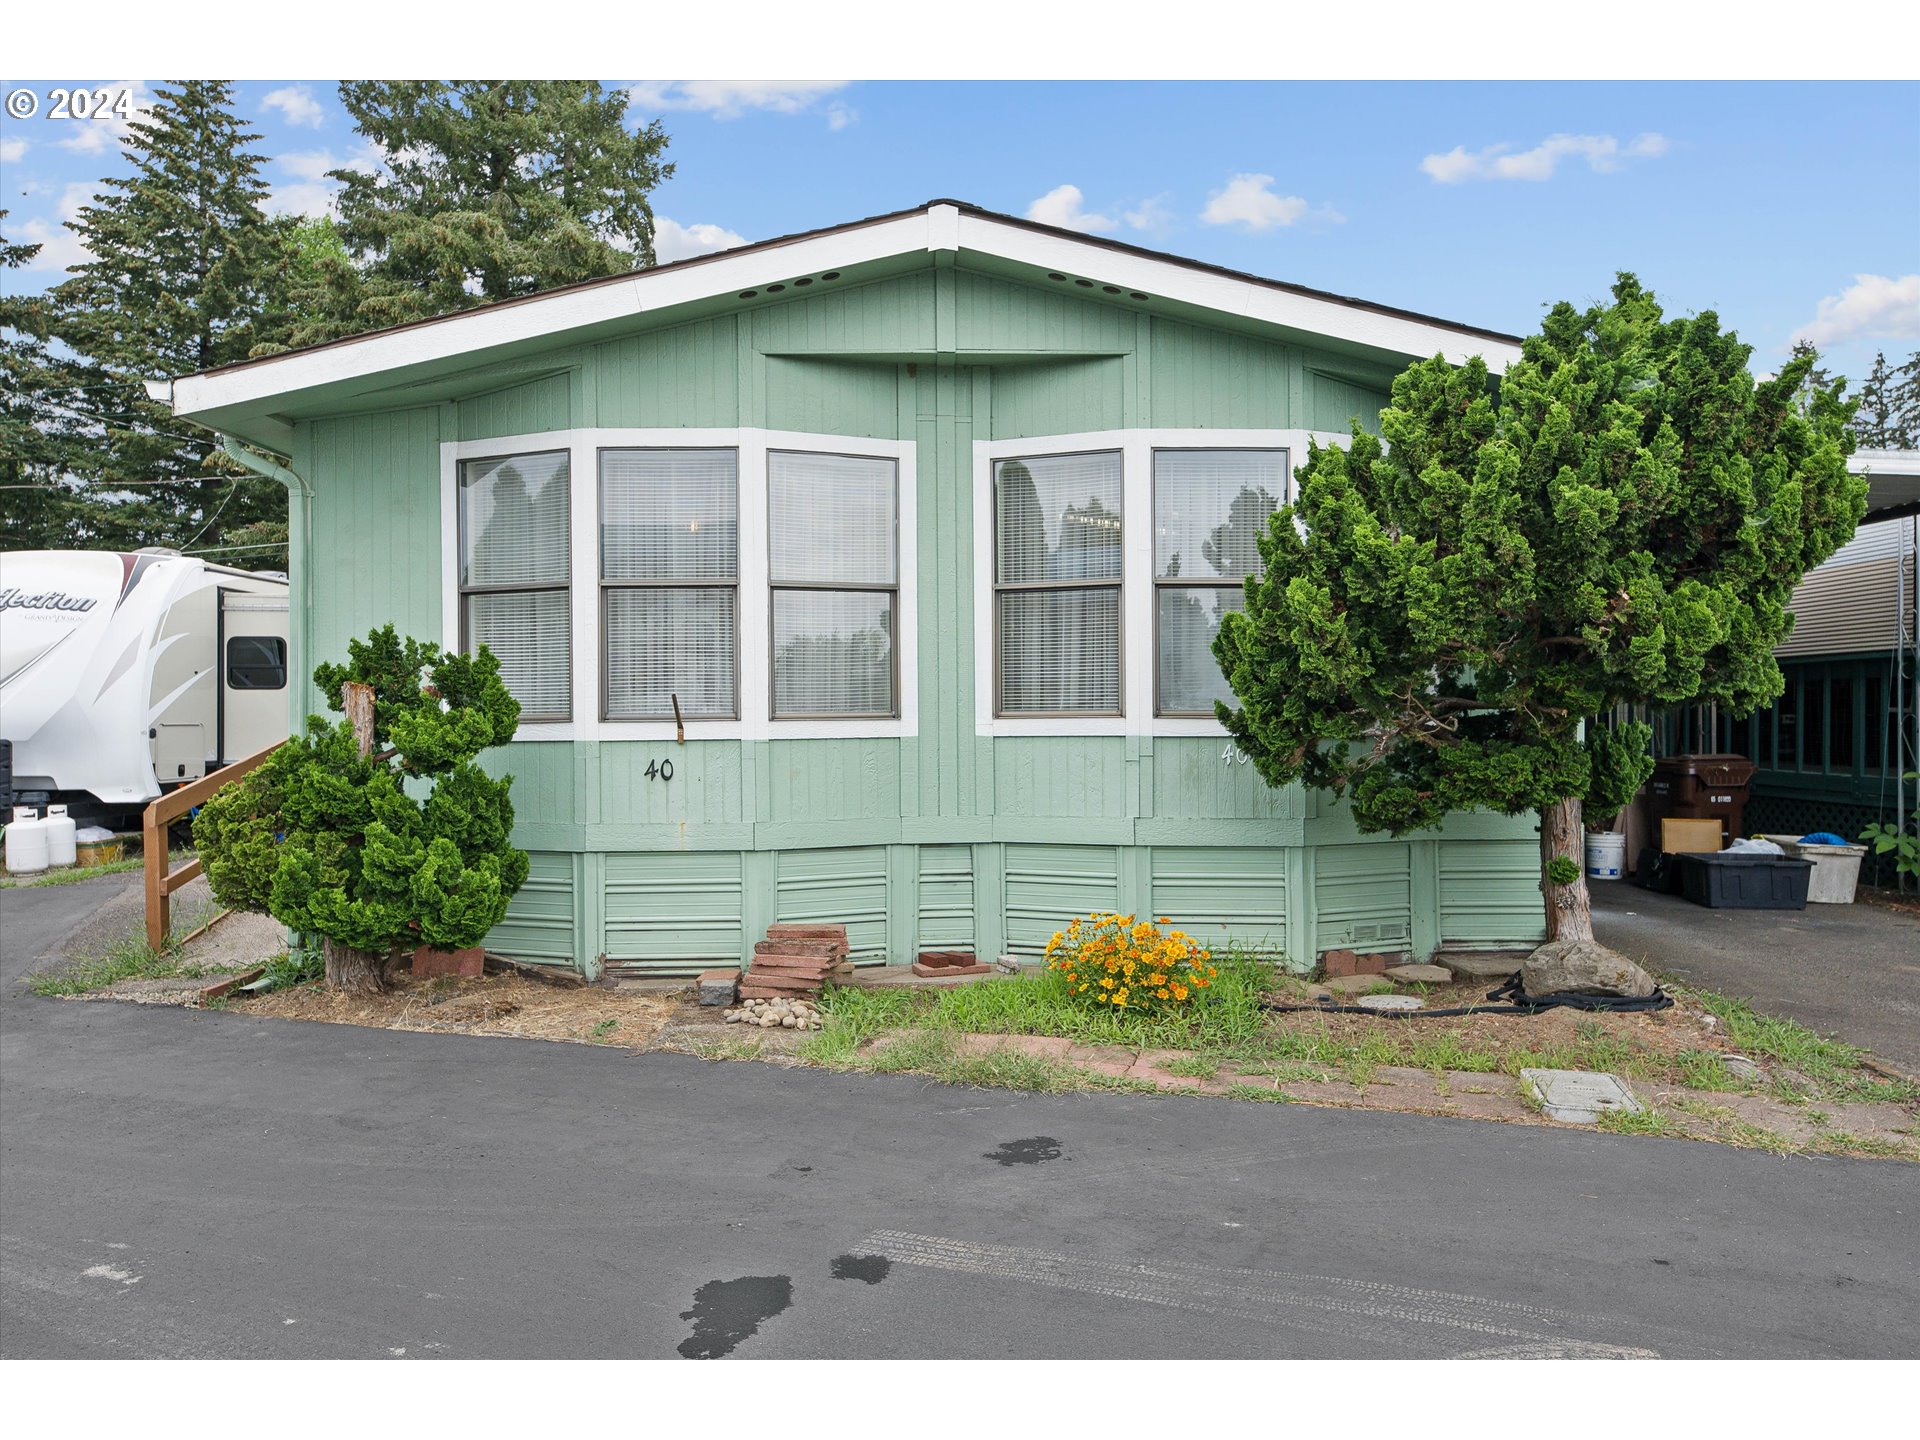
x: 181, y: 1183
x: 1847, y: 970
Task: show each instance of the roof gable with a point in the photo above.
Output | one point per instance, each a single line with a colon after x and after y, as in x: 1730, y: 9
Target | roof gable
x: 242, y: 397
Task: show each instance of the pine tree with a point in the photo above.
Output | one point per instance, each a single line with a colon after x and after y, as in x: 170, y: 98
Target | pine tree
x: 1622, y: 523
x: 382, y: 852
x: 43, y: 430
x: 183, y: 269
x: 491, y: 189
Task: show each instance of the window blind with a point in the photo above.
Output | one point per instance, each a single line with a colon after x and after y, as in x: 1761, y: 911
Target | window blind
x: 514, y: 563
x: 1057, y: 570
x: 531, y: 632
x: 833, y: 651
x: 1209, y: 509
x: 513, y: 524
x: 833, y: 548
x: 664, y: 641
x: 669, y: 572
x: 1060, y: 651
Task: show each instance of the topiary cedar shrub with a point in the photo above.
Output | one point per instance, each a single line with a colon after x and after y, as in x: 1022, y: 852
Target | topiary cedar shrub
x: 1621, y: 520
x: 378, y: 854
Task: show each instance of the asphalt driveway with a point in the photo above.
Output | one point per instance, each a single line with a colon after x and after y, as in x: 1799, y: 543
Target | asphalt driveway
x: 1851, y: 971
x: 190, y: 1183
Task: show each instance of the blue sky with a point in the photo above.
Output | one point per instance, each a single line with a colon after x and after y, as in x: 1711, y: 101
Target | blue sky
x: 1789, y: 208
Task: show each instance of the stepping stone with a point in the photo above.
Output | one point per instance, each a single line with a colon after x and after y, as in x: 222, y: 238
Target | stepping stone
x: 1421, y: 974
x: 1579, y: 1097
x: 1740, y: 1067
x: 1390, y: 1002
x: 1345, y: 985
x: 1470, y: 966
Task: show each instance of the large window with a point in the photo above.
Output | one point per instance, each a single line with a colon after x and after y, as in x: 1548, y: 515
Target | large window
x: 1209, y: 509
x: 513, y: 576
x: 1057, y: 579
x: 833, y: 563
x: 669, y: 578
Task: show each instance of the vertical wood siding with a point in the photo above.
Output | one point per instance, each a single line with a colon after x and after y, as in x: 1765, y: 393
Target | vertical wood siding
x: 942, y: 838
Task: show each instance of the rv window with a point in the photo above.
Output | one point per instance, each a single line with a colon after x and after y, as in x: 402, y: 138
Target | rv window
x: 256, y: 662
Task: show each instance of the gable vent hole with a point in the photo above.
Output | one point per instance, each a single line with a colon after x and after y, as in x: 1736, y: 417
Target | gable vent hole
x: 1052, y: 276
x: 775, y: 289
x: 831, y: 275
x: 1135, y: 295
x: 748, y: 294
x: 1110, y: 289
x: 798, y: 283
x: 1084, y: 284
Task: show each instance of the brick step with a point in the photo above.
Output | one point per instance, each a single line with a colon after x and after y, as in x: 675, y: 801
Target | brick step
x: 829, y: 949
x: 937, y: 959
x: 807, y: 932
x: 802, y: 964
x: 941, y: 972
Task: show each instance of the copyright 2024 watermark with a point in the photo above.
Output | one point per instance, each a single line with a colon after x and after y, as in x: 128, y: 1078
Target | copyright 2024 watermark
x: 76, y: 103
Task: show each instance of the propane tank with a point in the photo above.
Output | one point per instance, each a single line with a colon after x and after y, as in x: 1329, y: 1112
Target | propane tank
x: 62, y: 846
x: 26, y: 842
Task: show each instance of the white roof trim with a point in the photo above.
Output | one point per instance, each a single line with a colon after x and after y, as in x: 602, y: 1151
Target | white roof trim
x: 938, y: 227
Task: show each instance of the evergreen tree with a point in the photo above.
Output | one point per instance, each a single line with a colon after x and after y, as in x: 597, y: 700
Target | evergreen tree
x: 1621, y: 523
x: 43, y: 429
x: 1889, y: 414
x: 182, y: 272
x: 384, y: 852
x: 491, y: 189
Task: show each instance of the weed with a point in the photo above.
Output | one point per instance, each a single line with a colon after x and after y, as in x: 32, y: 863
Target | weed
x: 605, y: 1028
x: 129, y: 958
x: 1703, y: 1070
x: 1259, y: 1092
x: 291, y: 968
x: 1636, y: 1122
x: 1198, y: 1066
x: 1839, y: 1142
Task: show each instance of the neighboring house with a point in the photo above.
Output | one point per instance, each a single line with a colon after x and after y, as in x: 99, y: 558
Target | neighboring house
x: 1831, y: 753
x: 926, y: 523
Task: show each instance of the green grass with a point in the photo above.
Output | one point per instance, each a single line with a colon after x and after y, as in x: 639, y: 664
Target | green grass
x: 1636, y: 1122
x: 128, y: 959
x: 76, y: 874
x: 1832, y: 1066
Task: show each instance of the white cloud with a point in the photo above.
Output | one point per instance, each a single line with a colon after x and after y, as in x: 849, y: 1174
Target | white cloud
x: 1153, y: 215
x: 11, y: 151
x: 730, y: 99
x: 310, y: 192
x: 1064, y: 206
x: 1249, y: 202
x: 1502, y: 162
x: 109, y: 129
x: 60, y: 248
x: 296, y: 102
x: 840, y: 115
x: 674, y: 241
x: 1874, y: 307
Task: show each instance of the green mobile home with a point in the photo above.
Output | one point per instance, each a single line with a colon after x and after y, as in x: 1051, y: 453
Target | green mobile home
x: 867, y: 574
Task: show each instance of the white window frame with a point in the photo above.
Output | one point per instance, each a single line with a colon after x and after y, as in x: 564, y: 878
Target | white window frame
x: 456, y: 622
x: 1139, y: 664
x: 755, y: 606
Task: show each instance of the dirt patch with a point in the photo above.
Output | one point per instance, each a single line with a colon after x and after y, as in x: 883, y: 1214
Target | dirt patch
x: 490, y: 1005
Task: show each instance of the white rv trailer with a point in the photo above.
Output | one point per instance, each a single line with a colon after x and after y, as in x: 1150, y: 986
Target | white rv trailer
x: 125, y: 675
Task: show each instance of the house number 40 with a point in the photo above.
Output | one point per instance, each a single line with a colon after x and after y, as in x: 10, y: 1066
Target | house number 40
x: 659, y: 770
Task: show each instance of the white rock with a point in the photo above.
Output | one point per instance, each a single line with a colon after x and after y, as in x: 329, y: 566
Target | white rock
x: 787, y: 1022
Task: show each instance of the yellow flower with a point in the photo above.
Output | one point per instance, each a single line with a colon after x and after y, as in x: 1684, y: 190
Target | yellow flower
x: 1106, y: 983
x: 1156, y: 979
x: 1161, y: 993
x: 1179, y: 992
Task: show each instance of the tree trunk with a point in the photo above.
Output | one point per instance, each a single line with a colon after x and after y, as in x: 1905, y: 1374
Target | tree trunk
x: 1569, y: 914
x: 358, y: 972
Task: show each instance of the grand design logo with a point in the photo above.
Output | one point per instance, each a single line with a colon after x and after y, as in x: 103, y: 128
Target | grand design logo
x: 14, y: 598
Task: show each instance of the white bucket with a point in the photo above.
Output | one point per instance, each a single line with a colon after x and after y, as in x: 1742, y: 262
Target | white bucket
x: 1606, y: 855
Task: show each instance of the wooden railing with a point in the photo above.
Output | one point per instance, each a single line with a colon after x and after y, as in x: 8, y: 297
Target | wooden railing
x: 162, y: 879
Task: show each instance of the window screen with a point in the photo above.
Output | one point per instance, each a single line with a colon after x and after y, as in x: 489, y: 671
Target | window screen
x: 1057, y: 570
x: 1210, y: 508
x: 514, y: 558
x: 832, y: 545
x: 669, y: 575
x: 256, y: 662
